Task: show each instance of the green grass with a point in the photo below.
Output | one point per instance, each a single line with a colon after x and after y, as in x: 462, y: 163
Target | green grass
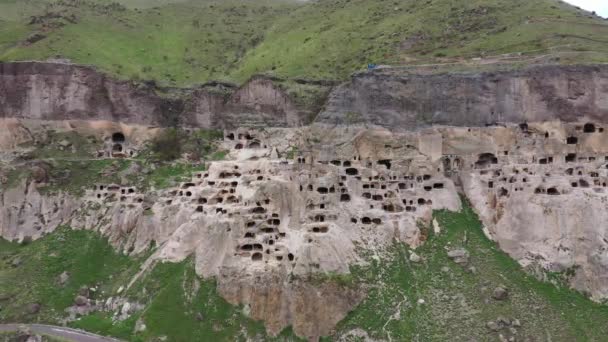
x: 188, y: 42
x: 181, y: 306
x: 458, y: 303
x: 170, y: 175
x: 75, y: 176
x: 73, y: 170
x: 172, y: 293
x: 162, y: 174
x: 88, y: 258
x: 79, y: 146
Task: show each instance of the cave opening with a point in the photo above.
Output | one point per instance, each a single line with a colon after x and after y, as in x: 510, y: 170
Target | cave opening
x: 572, y: 140
x: 486, y: 159
x: 351, y: 171
x: 385, y: 162
x: 589, y: 128
x: 118, y: 137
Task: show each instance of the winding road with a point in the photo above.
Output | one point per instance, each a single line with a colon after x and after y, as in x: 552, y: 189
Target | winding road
x: 61, y: 332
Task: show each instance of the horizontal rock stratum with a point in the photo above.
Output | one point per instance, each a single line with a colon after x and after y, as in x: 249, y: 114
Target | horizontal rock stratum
x: 390, y: 98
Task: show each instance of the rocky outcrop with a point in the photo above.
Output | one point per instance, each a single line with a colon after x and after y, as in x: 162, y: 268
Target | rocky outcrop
x: 399, y: 100
x: 263, y: 224
x: 56, y: 91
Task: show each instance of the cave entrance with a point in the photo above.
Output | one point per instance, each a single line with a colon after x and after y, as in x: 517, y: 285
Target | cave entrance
x: 352, y: 171
x: 571, y: 140
x: 486, y: 159
x: 589, y: 128
x: 118, y: 137
x: 385, y: 162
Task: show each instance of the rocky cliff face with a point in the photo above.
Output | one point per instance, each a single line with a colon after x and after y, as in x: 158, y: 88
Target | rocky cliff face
x: 291, y: 203
x: 52, y: 91
x: 398, y: 100
x: 258, y: 219
x: 386, y: 97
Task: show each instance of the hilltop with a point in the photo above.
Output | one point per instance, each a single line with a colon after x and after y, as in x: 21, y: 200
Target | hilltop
x: 182, y: 42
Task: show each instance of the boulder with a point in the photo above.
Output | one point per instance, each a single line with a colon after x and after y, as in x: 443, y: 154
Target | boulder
x: 415, y: 257
x: 64, y: 143
x: 81, y: 301
x: 35, y: 37
x: 84, y: 291
x: 500, y: 293
x: 63, y: 278
x: 459, y: 256
x: 16, y: 262
x: 493, y: 326
x: 34, y: 308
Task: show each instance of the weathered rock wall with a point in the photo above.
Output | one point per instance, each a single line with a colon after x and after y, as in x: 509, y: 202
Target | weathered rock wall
x: 387, y: 97
x: 54, y: 91
x: 399, y: 100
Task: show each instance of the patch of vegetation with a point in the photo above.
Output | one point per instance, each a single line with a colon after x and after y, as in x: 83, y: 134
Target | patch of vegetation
x: 77, y: 175
x: 343, y: 280
x: 181, y: 306
x: 198, y: 145
x: 101, y: 323
x: 12, y: 177
x: 169, y: 175
x: 173, y: 142
x: 439, y: 300
x: 64, y: 145
x: 167, y: 146
x: 30, y: 273
x: 292, y: 152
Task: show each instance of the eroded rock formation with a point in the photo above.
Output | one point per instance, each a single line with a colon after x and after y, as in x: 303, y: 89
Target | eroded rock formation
x: 400, y: 100
x: 56, y: 91
x: 292, y: 202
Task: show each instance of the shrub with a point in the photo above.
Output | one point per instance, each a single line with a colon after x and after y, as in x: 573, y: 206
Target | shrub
x: 167, y: 146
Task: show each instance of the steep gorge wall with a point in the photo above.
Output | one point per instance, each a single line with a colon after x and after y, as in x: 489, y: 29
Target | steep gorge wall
x: 390, y: 98
x: 398, y: 100
x: 55, y: 91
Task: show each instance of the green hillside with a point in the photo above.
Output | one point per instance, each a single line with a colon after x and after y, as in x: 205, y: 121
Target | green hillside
x: 184, y: 42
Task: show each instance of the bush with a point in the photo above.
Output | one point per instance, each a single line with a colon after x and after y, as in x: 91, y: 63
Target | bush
x: 167, y: 146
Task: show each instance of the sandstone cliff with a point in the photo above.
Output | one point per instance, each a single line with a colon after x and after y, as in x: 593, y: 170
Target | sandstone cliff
x: 387, y: 97
x: 55, y: 91
x: 396, y: 99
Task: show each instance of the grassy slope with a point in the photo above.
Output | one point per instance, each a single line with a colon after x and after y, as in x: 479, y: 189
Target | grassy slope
x: 173, y: 294
x: 458, y: 303
x: 89, y: 260
x: 185, y: 42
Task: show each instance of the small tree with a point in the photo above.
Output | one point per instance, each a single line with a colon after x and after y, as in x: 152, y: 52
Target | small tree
x: 167, y: 146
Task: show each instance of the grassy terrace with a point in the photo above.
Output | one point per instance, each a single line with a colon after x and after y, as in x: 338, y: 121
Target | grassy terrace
x: 74, y: 168
x: 184, y: 42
